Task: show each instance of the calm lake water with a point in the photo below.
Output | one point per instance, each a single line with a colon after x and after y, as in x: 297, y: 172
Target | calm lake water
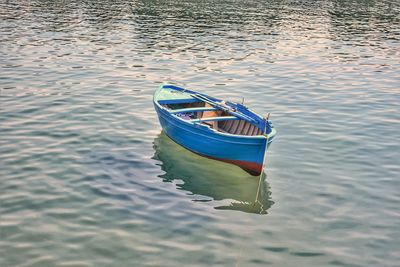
x: 88, y: 179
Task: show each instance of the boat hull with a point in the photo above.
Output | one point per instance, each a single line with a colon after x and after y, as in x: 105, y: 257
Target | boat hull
x: 247, y: 152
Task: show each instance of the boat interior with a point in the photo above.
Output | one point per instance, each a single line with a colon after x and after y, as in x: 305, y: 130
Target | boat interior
x: 204, y: 113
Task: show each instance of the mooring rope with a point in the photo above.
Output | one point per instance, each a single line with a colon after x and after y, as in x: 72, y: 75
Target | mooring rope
x: 238, y: 259
x: 258, y: 189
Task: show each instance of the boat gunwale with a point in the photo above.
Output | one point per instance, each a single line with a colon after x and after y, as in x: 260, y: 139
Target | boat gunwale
x: 201, y: 128
x: 269, y: 138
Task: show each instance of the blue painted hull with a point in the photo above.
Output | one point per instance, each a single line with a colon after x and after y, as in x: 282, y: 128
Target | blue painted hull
x: 245, y: 151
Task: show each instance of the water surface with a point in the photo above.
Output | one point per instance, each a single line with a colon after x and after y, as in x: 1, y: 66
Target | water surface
x: 87, y: 178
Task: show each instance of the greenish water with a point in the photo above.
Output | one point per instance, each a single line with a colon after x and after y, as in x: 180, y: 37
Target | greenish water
x: 88, y: 179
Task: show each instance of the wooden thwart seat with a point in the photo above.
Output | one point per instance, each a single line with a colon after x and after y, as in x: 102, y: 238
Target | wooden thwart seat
x: 223, y: 118
x: 194, y: 109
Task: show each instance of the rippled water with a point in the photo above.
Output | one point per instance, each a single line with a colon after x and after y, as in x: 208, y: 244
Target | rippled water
x: 88, y: 179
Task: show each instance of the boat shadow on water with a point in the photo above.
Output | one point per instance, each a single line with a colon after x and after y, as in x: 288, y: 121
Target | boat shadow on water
x: 209, y: 180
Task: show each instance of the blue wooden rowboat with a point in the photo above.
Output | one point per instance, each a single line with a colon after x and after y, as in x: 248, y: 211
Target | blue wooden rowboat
x: 216, y: 129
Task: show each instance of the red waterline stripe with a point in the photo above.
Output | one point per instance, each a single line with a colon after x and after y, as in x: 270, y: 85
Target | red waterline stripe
x: 252, y: 168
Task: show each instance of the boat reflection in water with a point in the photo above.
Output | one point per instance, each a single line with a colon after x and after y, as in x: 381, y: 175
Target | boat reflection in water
x: 228, y: 186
